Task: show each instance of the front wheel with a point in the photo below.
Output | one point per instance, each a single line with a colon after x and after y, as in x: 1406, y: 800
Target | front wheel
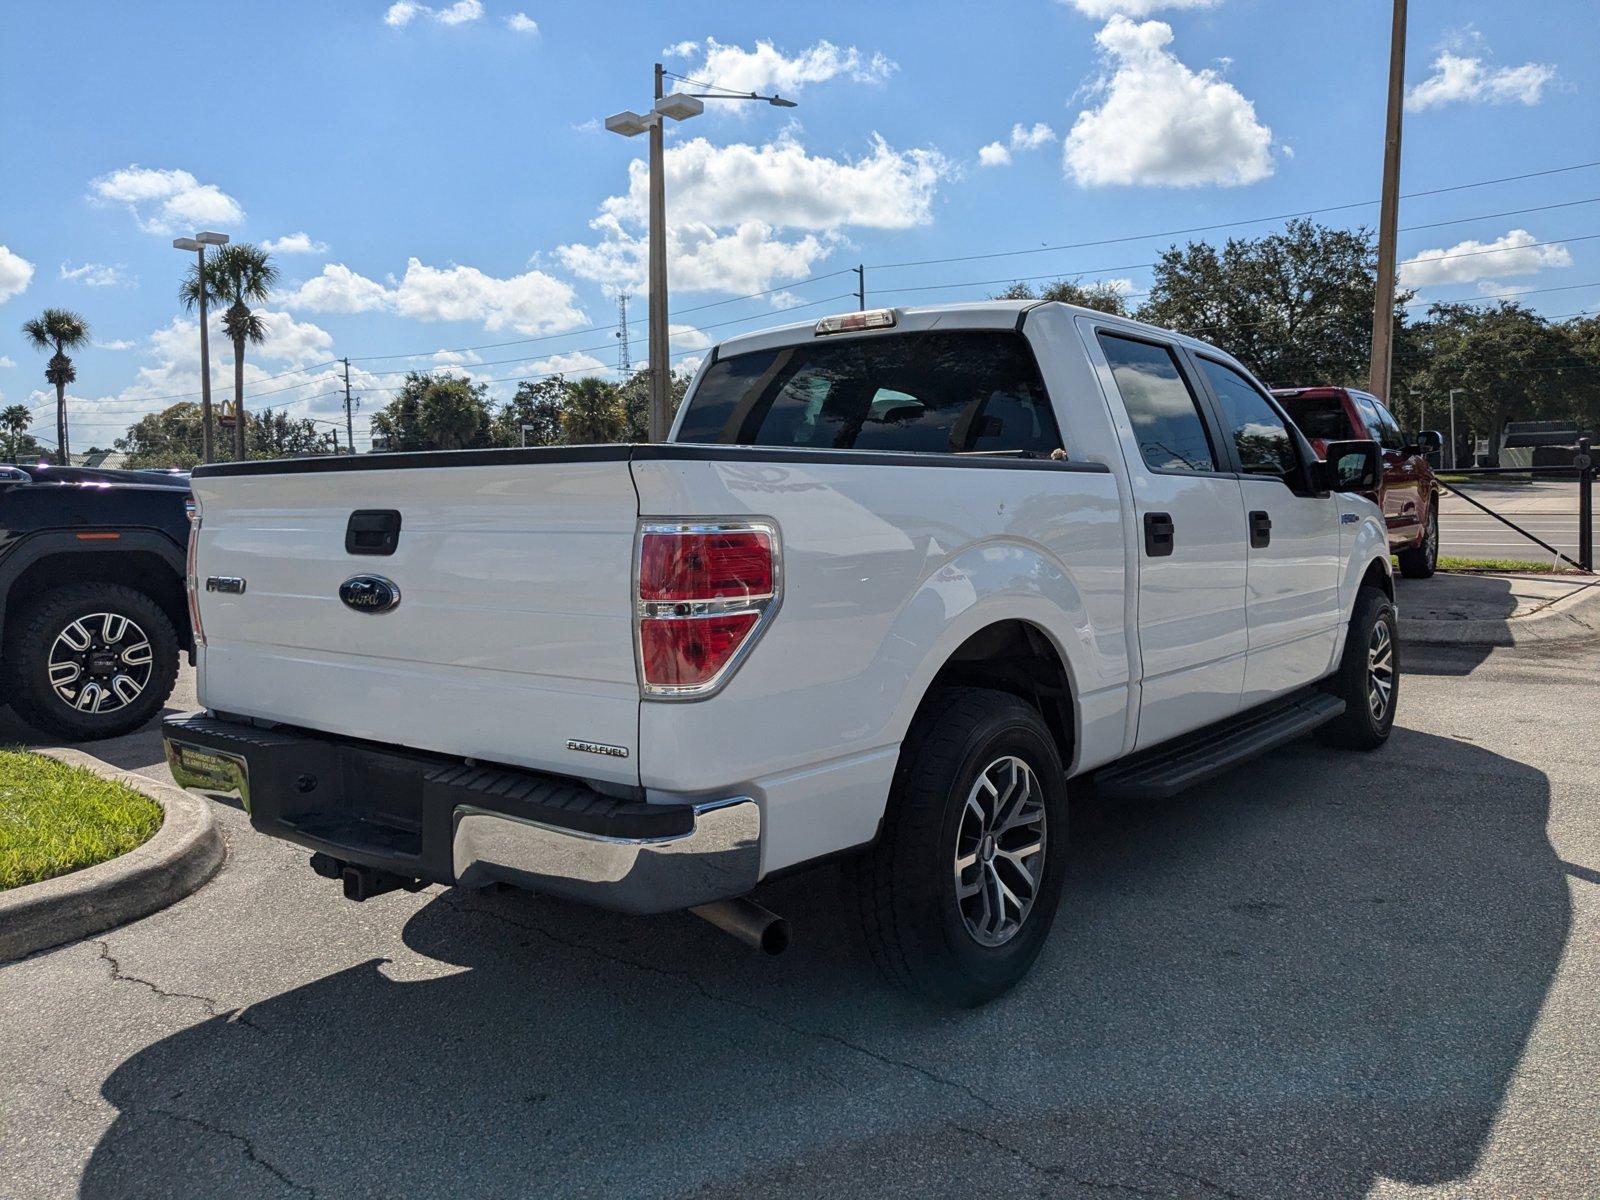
x: 90, y: 660
x: 1368, y: 680
x: 1422, y: 560
x: 958, y: 895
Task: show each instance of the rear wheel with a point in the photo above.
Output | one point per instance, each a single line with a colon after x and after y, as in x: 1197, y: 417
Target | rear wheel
x: 1422, y: 560
x: 90, y: 660
x: 958, y: 895
x: 1369, y: 674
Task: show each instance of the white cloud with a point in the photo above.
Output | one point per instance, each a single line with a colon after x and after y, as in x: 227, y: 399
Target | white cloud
x: 294, y: 243
x: 683, y: 49
x: 290, y: 342
x: 767, y: 69
x: 688, y: 337
x: 994, y: 155
x: 7, y: 361
x: 1517, y: 253
x: 16, y: 273
x: 744, y: 216
x: 118, y: 344
x: 1025, y: 138
x: 1460, y: 78
x: 530, y: 303
x: 522, y: 23
x: 575, y: 363
x: 1159, y: 123
x: 92, y: 274
x: 456, y: 358
x: 166, y: 202
x: 403, y: 12
x: 339, y: 290
x: 1101, y: 10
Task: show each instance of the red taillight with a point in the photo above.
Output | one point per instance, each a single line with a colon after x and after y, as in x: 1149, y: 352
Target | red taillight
x: 704, y: 593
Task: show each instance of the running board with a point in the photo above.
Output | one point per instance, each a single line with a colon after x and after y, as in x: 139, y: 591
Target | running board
x: 1164, y: 771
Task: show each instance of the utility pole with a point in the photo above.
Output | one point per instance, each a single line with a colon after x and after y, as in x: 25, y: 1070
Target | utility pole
x: 1389, y: 212
x: 861, y: 288
x: 660, y: 370
x: 349, y: 425
x: 624, y: 359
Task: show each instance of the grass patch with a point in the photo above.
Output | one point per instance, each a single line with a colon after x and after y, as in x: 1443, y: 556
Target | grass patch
x: 55, y: 818
x: 1520, y: 565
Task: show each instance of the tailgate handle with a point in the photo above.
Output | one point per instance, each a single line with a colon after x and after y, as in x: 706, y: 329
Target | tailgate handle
x: 372, y: 531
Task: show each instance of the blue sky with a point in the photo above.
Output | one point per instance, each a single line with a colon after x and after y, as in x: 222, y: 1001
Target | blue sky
x: 446, y: 170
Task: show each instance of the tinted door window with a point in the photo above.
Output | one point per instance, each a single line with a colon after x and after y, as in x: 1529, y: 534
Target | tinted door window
x: 1392, y: 437
x: 1385, y: 434
x: 938, y: 392
x: 1262, y: 437
x: 1164, y: 412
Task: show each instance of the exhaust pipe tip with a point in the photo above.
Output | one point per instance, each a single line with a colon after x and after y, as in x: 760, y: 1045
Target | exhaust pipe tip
x: 755, y: 926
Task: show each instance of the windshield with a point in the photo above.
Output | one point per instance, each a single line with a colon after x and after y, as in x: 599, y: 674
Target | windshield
x: 935, y: 392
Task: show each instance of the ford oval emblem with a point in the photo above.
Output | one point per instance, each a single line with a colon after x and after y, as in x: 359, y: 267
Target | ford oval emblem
x: 369, y: 593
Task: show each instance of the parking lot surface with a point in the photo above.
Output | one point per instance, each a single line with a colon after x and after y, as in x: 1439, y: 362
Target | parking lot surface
x: 1546, y: 508
x: 1323, y: 975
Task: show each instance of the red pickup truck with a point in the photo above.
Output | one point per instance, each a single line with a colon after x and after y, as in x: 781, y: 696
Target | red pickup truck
x: 1409, y: 494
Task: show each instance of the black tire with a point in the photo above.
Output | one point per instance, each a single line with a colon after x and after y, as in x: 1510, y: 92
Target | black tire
x: 1422, y: 560
x: 1360, y: 727
x: 33, y: 634
x: 906, y: 885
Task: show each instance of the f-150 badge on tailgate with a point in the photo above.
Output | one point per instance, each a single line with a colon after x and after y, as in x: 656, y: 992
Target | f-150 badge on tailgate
x: 369, y: 593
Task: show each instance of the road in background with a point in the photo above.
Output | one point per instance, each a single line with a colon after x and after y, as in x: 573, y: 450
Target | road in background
x: 1327, y: 974
x: 1546, y: 508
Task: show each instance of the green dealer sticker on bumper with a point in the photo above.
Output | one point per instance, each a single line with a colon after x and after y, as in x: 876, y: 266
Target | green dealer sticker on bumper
x: 209, y: 770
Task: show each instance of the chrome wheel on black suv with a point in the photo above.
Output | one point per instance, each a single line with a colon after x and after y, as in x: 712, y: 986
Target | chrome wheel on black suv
x: 90, y: 660
x: 958, y: 895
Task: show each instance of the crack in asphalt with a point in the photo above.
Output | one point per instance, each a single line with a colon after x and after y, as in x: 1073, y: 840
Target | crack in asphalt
x: 234, y: 1016
x: 244, y: 1143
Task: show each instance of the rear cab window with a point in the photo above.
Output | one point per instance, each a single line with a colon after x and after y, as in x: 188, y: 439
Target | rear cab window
x: 1321, y: 418
x: 934, y: 392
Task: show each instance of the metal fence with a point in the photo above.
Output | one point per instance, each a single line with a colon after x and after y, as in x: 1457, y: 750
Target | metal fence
x: 1581, y: 468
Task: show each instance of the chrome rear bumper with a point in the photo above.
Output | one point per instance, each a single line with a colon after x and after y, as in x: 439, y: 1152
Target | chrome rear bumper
x: 718, y: 858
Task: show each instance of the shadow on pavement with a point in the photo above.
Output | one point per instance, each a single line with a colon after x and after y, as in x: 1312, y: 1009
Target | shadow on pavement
x: 1312, y: 974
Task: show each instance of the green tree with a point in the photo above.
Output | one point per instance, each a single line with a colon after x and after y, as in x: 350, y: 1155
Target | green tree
x: 169, y: 438
x: 236, y: 275
x: 435, y: 412
x: 1509, y: 362
x: 14, y: 436
x: 60, y: 330
x: 593, y: 412
x: 533, y: 415
x: 1099, y: 295
x: 634, y: 397
x: 1295, y: 307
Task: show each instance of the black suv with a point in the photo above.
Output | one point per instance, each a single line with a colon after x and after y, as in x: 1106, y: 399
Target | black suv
x: 92, y: 606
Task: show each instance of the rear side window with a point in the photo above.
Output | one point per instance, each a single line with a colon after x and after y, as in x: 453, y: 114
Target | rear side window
x: 1265, y: 445
x: 937, y: 393
x: 1369, y: 414
x: 1164, y: 412
x: 1320, y: 417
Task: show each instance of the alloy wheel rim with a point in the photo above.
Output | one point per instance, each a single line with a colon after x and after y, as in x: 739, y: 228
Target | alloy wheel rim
x: 1380, y: 671
x: 1433, y: 538
x: 1000, y: 848
x: 100, y: 663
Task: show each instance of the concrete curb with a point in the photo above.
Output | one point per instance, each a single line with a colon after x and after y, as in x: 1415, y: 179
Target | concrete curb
x: 1571, y: 617
x: 184, y: 853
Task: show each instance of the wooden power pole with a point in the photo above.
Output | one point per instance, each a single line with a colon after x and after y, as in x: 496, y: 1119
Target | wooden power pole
x: 1389, y: 212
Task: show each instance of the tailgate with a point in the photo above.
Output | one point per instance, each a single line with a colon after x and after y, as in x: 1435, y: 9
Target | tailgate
x: 513, y: 631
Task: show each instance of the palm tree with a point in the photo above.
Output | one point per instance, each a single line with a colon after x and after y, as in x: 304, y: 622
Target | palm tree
x: 234, y: 275
x: 591, y: 412
x: 63, y: 330
x: 14, y: 422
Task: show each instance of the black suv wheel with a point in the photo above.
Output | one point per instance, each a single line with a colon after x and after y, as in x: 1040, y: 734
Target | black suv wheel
x: 1422, y: 560
x: 958, y: 895
x: 90, y: 660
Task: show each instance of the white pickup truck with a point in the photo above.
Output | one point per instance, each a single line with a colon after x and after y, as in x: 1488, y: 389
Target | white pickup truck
x: 900, y: 584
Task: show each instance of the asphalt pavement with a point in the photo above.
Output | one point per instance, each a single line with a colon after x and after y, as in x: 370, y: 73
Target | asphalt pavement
x: 1325, y: 975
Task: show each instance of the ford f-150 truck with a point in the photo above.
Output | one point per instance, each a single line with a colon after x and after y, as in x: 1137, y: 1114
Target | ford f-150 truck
x: 900, y: 583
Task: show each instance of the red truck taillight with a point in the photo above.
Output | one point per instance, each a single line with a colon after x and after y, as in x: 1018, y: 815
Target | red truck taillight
x: 705, y: 592
x: 191, y: 579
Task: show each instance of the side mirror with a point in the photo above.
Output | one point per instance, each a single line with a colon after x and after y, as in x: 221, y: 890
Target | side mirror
x: 1429, y: 440
x: 1350, y: 467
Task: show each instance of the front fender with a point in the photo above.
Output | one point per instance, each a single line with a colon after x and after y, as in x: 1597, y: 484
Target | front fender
x: 1364, y: 540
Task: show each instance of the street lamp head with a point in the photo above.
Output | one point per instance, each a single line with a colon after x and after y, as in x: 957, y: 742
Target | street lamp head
x: 780, y: 102
x: 628, y: 123
x: 185, y: 244
x: 212, y: 239
x: 679, y: 106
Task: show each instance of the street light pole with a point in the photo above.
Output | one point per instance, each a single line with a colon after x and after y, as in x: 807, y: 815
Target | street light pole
x: 679, y: 106
x: 1453, y: 392
x: 198, y: 244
